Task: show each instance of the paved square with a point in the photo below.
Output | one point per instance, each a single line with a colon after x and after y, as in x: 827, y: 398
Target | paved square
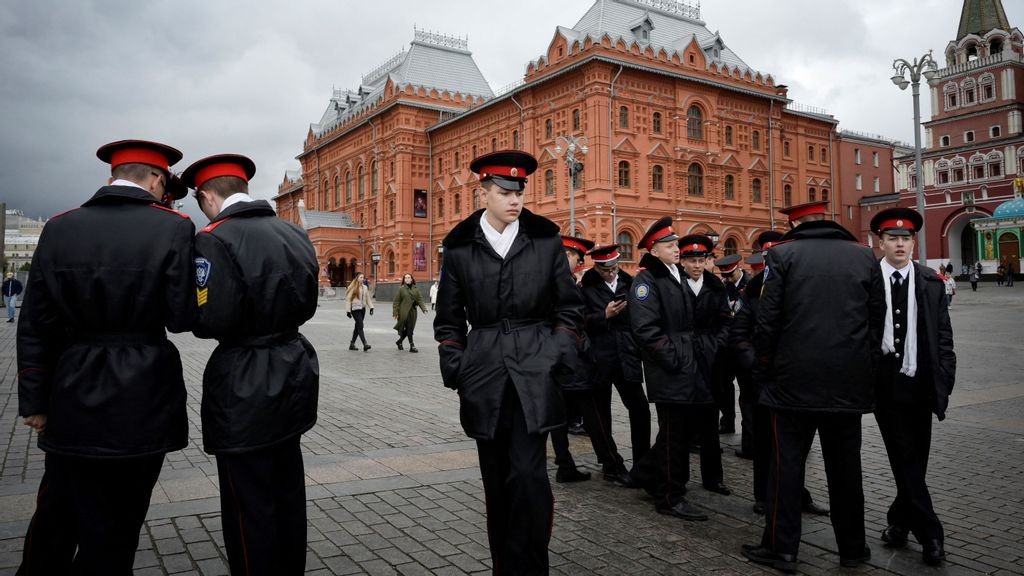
x: 393, y: 485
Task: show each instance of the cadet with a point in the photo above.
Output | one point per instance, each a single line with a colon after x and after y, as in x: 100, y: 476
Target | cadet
x: 98, y: 379
x: 506, y: 275
x: 734, y: 280
x: 819, y: 328
x: 256, y: 282
x: 605, y: 290
x: 916, y: 377
x: 677, y: 351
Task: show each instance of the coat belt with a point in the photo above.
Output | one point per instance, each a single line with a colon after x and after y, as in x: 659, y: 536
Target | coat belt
x: 507, y: 325
x: 263, y: 340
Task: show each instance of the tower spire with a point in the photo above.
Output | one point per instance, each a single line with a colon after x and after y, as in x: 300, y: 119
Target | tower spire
x: 980, y: 16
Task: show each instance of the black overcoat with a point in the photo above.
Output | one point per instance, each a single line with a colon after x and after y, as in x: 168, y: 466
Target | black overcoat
x: 525, y: 312
x: 819, y: 322
x: 611, y: 339
x: 256, y: 276
x: 741, y: 331
x: 678, y: 334
x: 106, y: 281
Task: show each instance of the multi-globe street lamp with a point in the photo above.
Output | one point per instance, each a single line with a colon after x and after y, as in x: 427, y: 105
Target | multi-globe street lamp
x: 573, y: 145
x: 924, y: 66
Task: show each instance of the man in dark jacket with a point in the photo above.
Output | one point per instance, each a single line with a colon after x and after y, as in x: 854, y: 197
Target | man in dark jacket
x: 605, y: 290
x: 735, y: 280
x: 678, y: 334
x: 916, y: 377
x: 505, y: 275
x: 11, y: 289
x: 98, y: 378
x: 256, y: 283
x: 817, y: 341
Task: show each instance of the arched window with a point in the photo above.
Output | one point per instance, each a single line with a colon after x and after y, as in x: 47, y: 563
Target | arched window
x: 361, y: 184
x: 323, y: 195
x: 575, y: 120
x: 391, y: 210
x: 391, y: 263
x: 755, y: 140
x: 657, y: 178
x: 337, y: 190
x: 728, y: 135
x: 812, y: 194
x: 474, y: 152
x: 785, y: 148
x: 391, y: 168
x: 730, y: 246
x: 494, y: 144
x: 375, y: 215
x: 440, y: 208
x: 656, y: 123
x: 950, y: 91
x: 623, y: 117
x: 730, y: 187
x: 824, y: 194
x: 695, y: 180
x: 624, y: 179
x: 695, y: 123
x: 548, y: 132
x: 987, y: 83
x: 476, y: 199
x: 348, y: 187
x: 755, y: 190
x: 374, y: 187
x: 810, y: 153
x: 625, y: 247
x: 549, y: 183
x: 824, y: 155
x: 515, y: 139
x: 457, y: 201
x: 968, y: 89
x: 787, y: 195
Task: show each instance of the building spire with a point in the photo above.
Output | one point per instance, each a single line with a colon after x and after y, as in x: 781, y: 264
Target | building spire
x: 980, y: 16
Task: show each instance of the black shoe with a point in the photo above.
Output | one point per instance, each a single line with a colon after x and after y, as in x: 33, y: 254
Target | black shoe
x: 933, y: 552
x: 759, y: 508
x: 894, y: 536
x: 723, y: 429
x: 811, y: 507
x: 718, y: 488
x: 744, y: 455
x: 684, y: 510
x: 576, y: 428
x: 785, y: 562
x: 366, y: 347
x: 10, y: 319
x: 413, y: 349
x: 856, y: 560
x: 565, y: 475
x: 352, y: 346
x: 399, y: 344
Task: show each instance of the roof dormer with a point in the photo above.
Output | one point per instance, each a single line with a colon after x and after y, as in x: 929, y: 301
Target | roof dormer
x: 642, y: 28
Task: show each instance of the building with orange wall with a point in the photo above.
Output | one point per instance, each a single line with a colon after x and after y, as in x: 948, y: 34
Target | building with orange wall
x: 674, y: 123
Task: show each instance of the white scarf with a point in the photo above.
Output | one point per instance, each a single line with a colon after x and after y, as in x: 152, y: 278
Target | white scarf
x: 500, y: 241
x: 674, y: 271
x: 696, y: 285
x: 909, y: 366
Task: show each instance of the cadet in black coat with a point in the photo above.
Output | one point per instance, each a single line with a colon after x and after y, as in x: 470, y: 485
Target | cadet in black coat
x: 817, y: 344
x: 917, y: 373
x: 615, y: 352
x: 256, y: 281
x: 505, y: 275
x: 735, y: 280
x: 98, y: 378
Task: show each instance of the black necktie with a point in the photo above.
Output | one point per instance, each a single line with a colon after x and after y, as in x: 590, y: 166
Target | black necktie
x: 897, y: 278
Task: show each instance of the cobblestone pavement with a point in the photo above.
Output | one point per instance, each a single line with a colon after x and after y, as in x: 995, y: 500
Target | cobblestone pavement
x: 393, y: 487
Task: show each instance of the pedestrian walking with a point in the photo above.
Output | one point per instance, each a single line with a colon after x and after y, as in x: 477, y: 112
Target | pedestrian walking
x: 1009, y: 274
x: 817, y: 343
x: 678, y: 342
x: 974, y: 280
x: 357, y: 301
x: 915, y: 379
x: 433, y: 296
x: 403, y: 310
x: 256, y: 283
x: 950, y: 286
x: 11, y: 289
x: 98, y: 380
x: 1000, y: 275
x: 505, y: 274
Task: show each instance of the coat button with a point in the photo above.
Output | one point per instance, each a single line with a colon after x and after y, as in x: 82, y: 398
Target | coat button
x: 897, y: 310
x: 897, y: 354
x: 897, y: 325
x: 897, y: 340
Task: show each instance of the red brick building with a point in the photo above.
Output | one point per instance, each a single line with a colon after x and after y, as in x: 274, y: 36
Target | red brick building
x: 866, y: 177
x: 674, y: 122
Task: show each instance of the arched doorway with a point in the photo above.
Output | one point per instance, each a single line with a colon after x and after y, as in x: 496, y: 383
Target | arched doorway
x: 336, y: 271
x: 1009, y: 250
x: 962, y: 246
x: 968, y: 247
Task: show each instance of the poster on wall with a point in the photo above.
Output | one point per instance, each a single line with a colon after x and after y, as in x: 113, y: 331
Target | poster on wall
x: 419, y: 203
x: 419, y: 257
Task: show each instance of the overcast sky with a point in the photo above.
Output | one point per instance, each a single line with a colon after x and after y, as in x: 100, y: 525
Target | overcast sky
x: 216, y: 76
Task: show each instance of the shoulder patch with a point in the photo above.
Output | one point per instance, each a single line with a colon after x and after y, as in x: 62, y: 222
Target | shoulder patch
x: 172, y: 211
x: 641, y: 291
x: 203, y: 269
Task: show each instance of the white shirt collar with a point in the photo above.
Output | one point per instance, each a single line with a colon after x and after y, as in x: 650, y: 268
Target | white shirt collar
x: 888, y: 269
x: 613, y: 284
x: 235, y: 199
x: 123, y: 182
x: 696, y: 285
x: 500, y: 241
x: 674, y: 270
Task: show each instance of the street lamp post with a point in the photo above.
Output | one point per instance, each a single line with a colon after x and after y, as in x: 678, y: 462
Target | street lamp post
x: 375, y: 257
x: 573, y: 144
x: 925, y: 66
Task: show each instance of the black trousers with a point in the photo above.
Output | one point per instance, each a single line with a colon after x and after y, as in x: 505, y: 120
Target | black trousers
x: 357, y: 332
x: 748, y: 406
x: 723, y: 390
x: 635, y: 401
x: 263, y: 510
x: 840, y: 435
x: 907, y: 432
x: 665, y: 469
x: 763, y: 454
x: 520, y: 506
x: 96, y: 505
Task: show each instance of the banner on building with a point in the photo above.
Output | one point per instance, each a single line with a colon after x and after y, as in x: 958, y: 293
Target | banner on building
x: 419, y: 257
x: 419, y: 204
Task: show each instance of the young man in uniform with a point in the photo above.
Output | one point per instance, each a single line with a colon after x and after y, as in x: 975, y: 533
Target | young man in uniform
x: 917, y: 374
x: 819, y: 328
x: 734, y: 279
x: 98, y: 379
x: 256, y: 283
x: 506, y: 275
x: 605, y: 290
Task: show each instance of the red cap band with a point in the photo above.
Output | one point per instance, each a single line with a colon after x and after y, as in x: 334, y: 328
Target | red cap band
x: 606, y: 258
x: 801, y: 211
x: 507, y: 171
x: 139, y: 156
x: 569, y: 243
x: 757, y: 266
x: 694, y: 248
x: 896, y: 223
x: 217, y: 170
x: 657, y: 236
x: 729, y: 269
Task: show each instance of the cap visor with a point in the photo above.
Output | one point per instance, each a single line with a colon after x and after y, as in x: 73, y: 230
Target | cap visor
x: 511, y: 184
x: 670, y: 238
x: 897, y: 232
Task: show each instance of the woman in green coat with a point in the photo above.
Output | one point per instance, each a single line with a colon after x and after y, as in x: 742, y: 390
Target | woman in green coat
x: 404, y: 310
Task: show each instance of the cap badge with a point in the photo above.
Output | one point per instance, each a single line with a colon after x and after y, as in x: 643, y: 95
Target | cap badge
x: 899, y: 223
x: 514, y: 172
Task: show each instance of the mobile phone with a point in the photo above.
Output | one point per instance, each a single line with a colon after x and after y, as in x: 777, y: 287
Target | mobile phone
x: 619, y: 298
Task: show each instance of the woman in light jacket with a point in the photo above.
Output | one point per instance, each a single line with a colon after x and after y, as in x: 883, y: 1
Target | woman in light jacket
x: 404, y: 310
x: 358, y: 300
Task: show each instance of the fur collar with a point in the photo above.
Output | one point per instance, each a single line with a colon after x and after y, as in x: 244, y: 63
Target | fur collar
x: 659, y: 270
x: 530, y: 224
x: 592, y: 278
